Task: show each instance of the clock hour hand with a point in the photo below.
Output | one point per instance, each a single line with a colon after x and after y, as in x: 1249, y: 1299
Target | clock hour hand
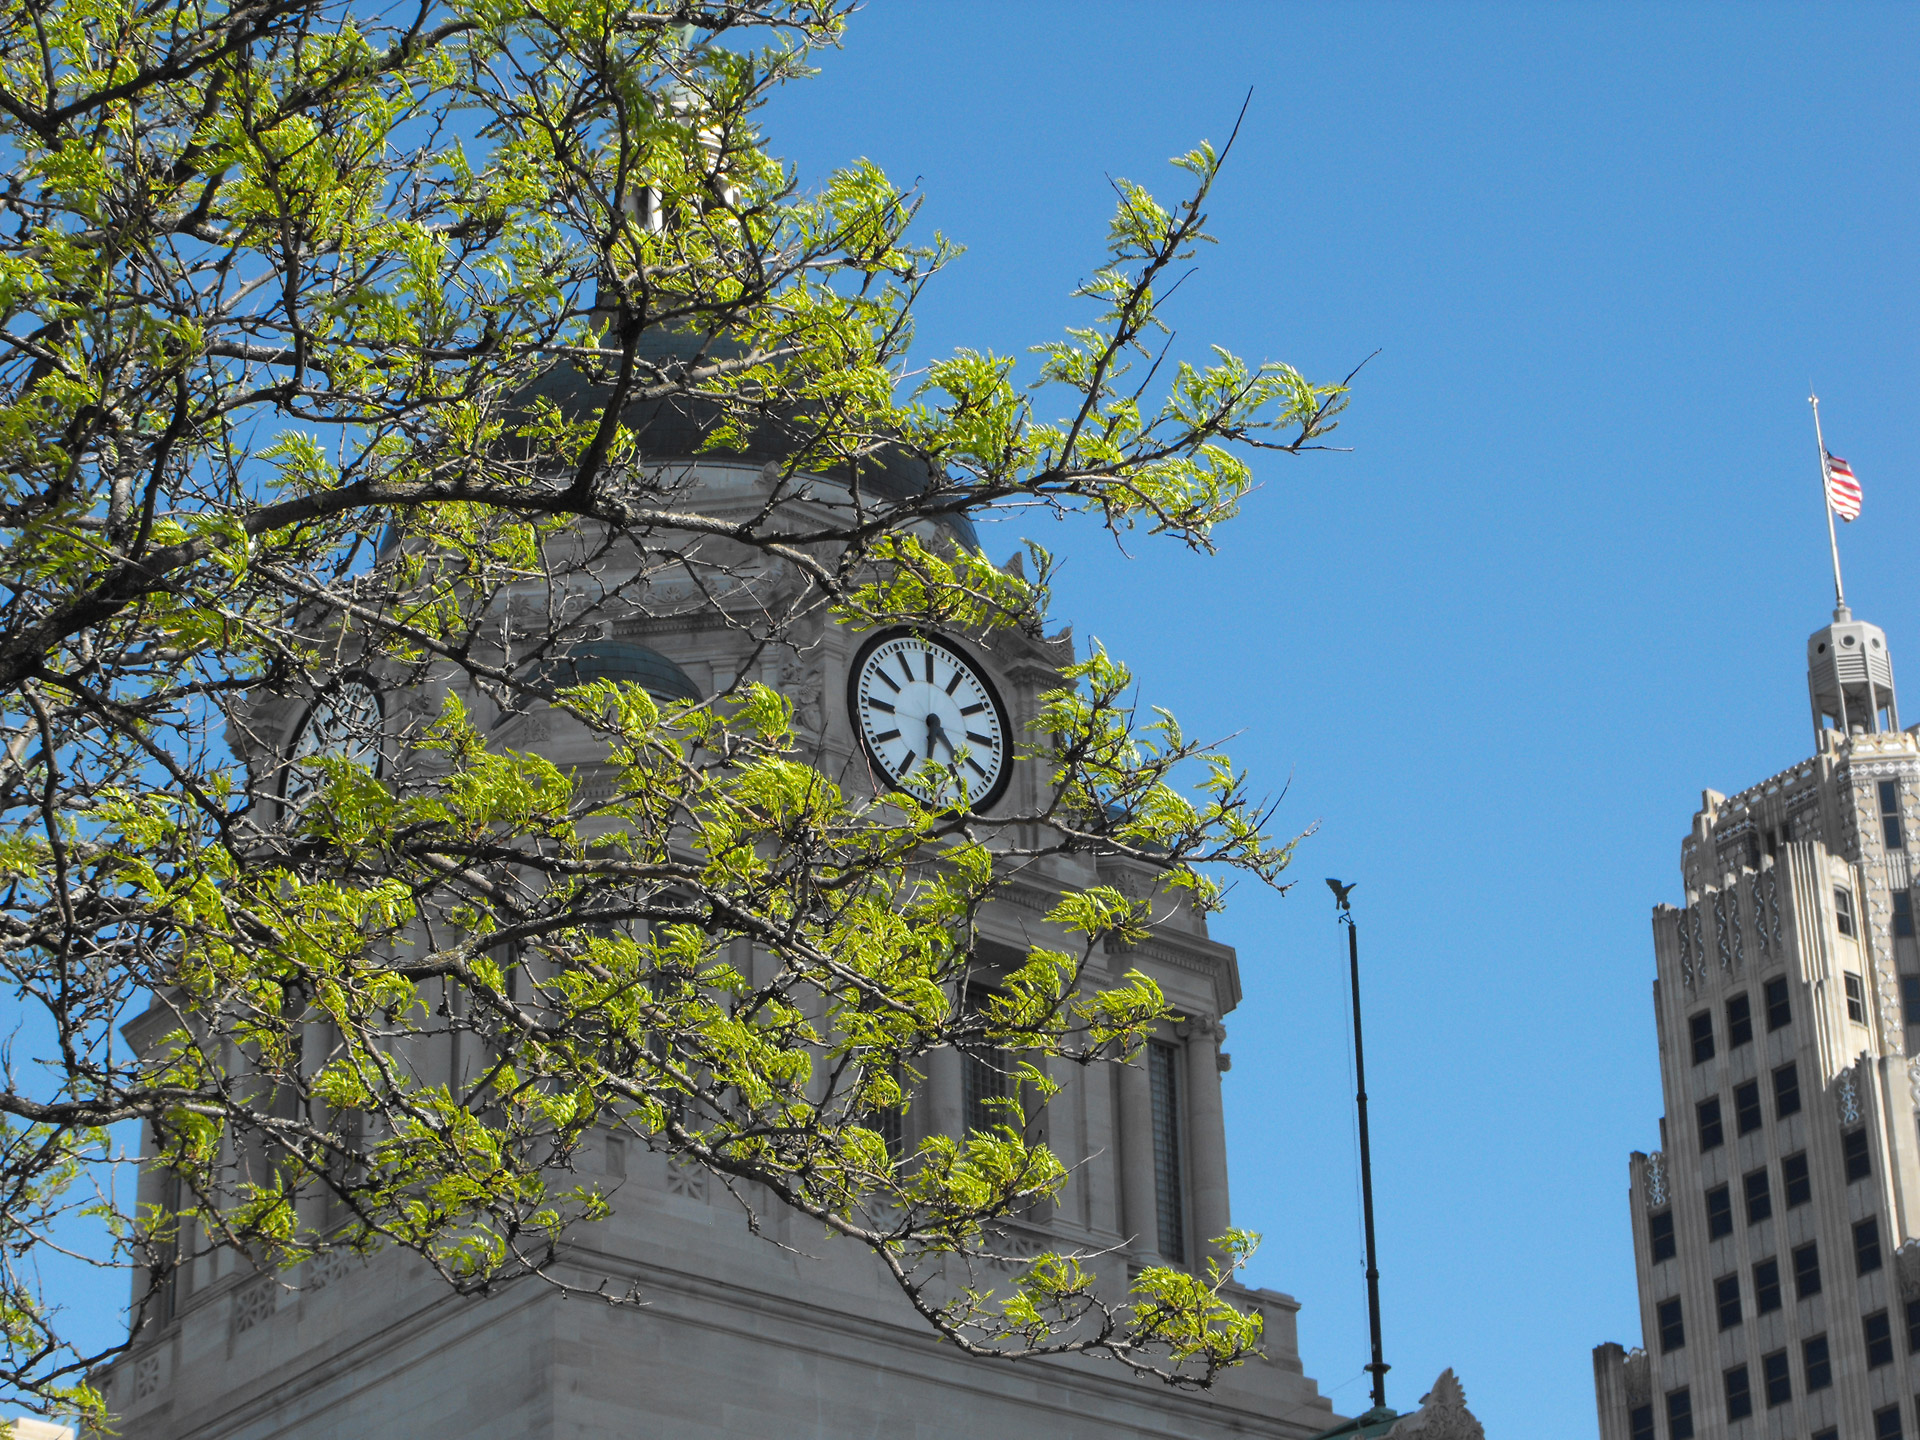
x: 935, y: 731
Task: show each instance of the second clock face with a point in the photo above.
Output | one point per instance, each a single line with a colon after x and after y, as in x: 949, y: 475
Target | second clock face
x: 344, y: 722
x: 915, y: 698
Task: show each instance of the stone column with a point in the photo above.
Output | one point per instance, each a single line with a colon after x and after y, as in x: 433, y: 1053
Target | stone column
x: 1141, y: 1220
x: 944, y: 1101
x: 1207, y: 1145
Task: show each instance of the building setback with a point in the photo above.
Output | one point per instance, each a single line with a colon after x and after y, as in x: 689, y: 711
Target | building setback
x: 1773, y: 1229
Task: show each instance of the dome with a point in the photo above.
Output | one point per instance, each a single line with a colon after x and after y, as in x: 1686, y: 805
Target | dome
x: 673, y: 428
x: 590, y: 660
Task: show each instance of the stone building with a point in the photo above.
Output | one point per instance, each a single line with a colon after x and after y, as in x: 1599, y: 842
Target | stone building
x: 785, y: 1333
x: 1773, y: 1229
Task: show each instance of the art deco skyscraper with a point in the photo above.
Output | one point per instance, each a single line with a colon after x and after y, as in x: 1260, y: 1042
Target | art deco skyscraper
x: 1773, y: 1229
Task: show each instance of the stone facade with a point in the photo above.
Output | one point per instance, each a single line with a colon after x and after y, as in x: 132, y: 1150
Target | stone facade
x: 1773, y: 1229
x: 784, y: 1332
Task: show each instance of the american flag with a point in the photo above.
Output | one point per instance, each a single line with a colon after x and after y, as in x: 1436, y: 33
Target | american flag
x: 1843, y: 491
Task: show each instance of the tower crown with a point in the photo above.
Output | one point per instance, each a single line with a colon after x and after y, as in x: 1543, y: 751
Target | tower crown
x: 1850, y: 677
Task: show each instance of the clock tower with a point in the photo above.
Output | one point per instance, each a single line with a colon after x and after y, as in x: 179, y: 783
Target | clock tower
x: 754, y: 1324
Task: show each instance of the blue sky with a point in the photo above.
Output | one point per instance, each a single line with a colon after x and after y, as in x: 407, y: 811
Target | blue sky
x: 1562, y: 582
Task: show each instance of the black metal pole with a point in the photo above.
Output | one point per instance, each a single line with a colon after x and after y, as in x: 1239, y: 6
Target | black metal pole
x: 1378, y: 1369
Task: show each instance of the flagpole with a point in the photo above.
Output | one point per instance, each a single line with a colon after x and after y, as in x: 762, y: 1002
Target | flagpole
x: 1840, y: 611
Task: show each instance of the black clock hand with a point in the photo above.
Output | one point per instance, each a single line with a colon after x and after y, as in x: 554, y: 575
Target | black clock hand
x: 936, y: 731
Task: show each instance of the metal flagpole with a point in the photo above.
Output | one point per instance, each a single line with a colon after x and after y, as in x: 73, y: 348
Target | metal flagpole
x: 1378, y: 1369
x: 1840, y: 611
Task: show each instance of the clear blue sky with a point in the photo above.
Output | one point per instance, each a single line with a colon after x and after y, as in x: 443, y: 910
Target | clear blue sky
x: 1562, y: 582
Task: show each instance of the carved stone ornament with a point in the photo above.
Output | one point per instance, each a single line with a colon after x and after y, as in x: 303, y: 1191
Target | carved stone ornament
x: 1906, y: 1264
x: 1686, y: 950
x: 1847, y: 1097
x: 1443, y: 1415
x: 1656, y: 1180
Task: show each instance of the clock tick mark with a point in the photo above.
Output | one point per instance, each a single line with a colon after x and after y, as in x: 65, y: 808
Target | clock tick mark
x: 972, y: 709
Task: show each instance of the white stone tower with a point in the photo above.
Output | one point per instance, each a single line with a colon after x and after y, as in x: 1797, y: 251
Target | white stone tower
x: 785, y: 1333
x: 1774, y: 1228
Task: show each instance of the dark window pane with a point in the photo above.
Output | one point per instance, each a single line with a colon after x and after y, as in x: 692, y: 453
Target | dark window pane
x: 1913, y: 1327
x: 1903, y: 914
x: 1866, y: 1246
x: 1707, y: 1113
x: 1673, y: 1333
x: 1759, y: 1197
x: 1786, y: 1091
x: 1739, y: 1397
x: 1766, y: 1286
x: 1806, y: 1271
x: 1660, y: 1235
x: 1168, y: 1191
x: 1856, y: 999
x: 1739, y: 1022
x: 1819, y: 1365
x: 1726, y: 1297
x: 1843, y: 910
x: 1719, y: 1212
x: 1795, y: 1180
x: 1746, y: 1107
x: 1779, y: 1010
x: 1827, y: 1434
x: 1890, y: 814
x: 1910, y: 999
x: 1886, y: 1423
x: 1701, y: 1027
x: 1775, y: 1376
x: 1853, y: 1145
x: 1879, y: 1333
x: 1640, y: 1423
x: 1679, y: 1414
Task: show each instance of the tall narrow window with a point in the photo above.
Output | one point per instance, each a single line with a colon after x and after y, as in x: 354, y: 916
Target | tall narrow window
x: 1739, y: 1394
x: 1853, y: 1147
x: 1640, y: 1423
x: 1878, y: 1333
x: 1806, y: 1271
x: 1766, y: 1287
x: 1719, y: 1213
x: 1700, y: 1029
x: 1673, y: 1329
x: 1890, y: 814
x: 1886, y: 1424
x: 1707, y: 1113
x: 1779, y: 1006
x: 1779, y: 1383
x: 1739, y: 1021
x: 1913, y: 1327
x: 1759, y: 1196
x: 1168, y: 1193
x: 1660, y: 1236
x: 1866, y: 1246
x: 1795, y: 1180
x: 1786, y: 1090
x: 1856, y: 998
x: 1843, y: 909
x: 1903, y: 914
x: 1726, y: 1300
x: 1746, y: 1107
x: 1910, y: 999
x: 987, y: 1080
x: 1818, y: 1362
x: 1679, y: 1414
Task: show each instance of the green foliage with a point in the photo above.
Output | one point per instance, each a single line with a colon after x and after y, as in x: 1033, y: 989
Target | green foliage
x: 333, y: 339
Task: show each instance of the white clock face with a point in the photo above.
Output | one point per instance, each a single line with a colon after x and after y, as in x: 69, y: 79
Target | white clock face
x: 345, y: 722
x: 914, y: 699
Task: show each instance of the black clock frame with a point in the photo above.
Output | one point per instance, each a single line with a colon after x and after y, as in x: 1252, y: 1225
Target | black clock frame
x: 340, y: 682
x: 878, y: 766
